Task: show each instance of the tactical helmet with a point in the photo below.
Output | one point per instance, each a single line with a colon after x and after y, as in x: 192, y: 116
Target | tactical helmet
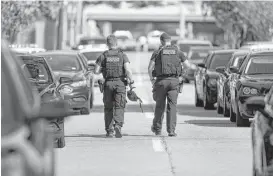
x: 132, y: 96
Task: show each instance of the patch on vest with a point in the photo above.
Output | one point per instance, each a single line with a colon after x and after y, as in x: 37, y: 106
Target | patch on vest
x: 112, y: 59
x: 169, y: 51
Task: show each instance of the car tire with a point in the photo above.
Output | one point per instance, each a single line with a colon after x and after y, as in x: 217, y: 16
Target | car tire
x: 219, y: 107
x: 232, y: 115
x: 91, y: 101
x: 186, y: 80
x: 226, y: 111
x: 198, y: 102
x: 206, y: 103
x: 240, y: 122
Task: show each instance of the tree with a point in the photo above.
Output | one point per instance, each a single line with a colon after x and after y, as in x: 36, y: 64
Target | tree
x: 244, y: 21
x: 17, y: 15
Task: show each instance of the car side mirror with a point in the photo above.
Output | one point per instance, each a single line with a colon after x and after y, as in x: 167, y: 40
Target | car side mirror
x: 202, y: 65
x: 55, y: 110
x: 234, y: 69
x: 255, y: 103
x: 64, y: 80
x: 220, y: 70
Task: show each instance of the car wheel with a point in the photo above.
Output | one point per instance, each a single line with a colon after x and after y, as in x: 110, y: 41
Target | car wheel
x: 198, y: 102
x: 207, y: 104
x: 186, y: 80
x: 219, y: 107
x: 240, y: 122
x: 226, y: 111
x: 91, y: 101
x: 232, y: 115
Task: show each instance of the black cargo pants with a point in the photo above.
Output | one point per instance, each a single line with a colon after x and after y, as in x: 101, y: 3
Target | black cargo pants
x: 165, y: 88
x: 114, y: 99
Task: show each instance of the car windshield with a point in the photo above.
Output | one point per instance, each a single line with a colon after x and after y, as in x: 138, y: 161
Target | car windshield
x: 260, y: 65
x: 91, y: 41
x: 185, y: 47
x: 199, y: 54
x: 220, y: 60
x: 37, y: 72
x: 64, y: 62
x: 92, y: 55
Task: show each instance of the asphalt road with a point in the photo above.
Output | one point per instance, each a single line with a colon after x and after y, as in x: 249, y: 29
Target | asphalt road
x: 207, y: 144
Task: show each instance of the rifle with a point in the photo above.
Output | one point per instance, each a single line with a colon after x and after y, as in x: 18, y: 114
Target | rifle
x: 101, y: 85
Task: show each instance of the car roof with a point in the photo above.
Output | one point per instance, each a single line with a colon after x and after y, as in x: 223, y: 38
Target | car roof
x: 193, y: 41
x: 262, y: 52
x: 92, y: 50
x: 201, y: 47
x: 57, y: 52
x: 223, y: 51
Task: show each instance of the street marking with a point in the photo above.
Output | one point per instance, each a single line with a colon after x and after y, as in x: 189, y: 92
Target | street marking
x: 158, y: 145
x: 149, y: 115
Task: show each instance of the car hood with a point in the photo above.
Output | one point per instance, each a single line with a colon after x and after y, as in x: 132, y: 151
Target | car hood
x: 212, y: 74
x: 69, y: 74
x: 258, y: 81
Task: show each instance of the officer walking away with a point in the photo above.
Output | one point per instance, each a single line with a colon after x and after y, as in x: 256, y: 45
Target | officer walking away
x: 164, y: 69
x: 114, y: 65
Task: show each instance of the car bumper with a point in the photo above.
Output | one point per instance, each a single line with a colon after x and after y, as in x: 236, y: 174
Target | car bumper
x: 78, y: 99
x: 212, y: 94
x: 244, y: 112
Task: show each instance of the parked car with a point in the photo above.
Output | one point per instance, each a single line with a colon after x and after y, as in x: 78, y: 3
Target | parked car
x: 87, y: 42
x: 69, y: 64
x: 196, y: 56
x: 26, y: 139
x: 206, y: 78
x: 125, y: 40
x: 48, y: 86
x: 257, y: 45
x: 91, y: 55
x: 153, y: 39
x: 185, y: 45
x: 254, y: 77
x: 262, y: 133
x: 249, y: 44
x: 223, y: 83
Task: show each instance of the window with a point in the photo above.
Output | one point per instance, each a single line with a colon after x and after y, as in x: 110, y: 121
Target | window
x: 260, y: 65
x: 64, y: 62
x: 92, y: 55
x: 219, y: 60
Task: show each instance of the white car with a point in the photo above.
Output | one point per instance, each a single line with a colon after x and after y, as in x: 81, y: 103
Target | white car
x: 91, y: 55
x: 125, y: 40
x: 153, y: 39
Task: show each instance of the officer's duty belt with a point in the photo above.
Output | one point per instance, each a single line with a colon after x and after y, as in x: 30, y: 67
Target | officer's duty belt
x: 168, y: 76
x: 114, y: 79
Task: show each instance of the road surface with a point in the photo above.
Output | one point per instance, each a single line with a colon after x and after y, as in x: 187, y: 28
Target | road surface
x: 207, y: 144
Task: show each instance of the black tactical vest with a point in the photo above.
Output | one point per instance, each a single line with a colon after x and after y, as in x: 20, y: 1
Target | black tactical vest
x: 168, y: 63
x: 113, y: 64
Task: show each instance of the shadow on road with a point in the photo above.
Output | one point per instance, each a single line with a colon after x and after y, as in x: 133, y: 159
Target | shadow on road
x: 191, y: 110
x: 129, y: 108
x: 211, y: 123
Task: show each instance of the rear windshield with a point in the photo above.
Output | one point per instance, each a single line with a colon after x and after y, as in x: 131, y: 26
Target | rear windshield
x: 186, y: 47
x: 260, y: 65
x: 199, y: 54
x: 92, y: 55
x: 91, y: 41
x: 220, y: 60
x: 64, y: 62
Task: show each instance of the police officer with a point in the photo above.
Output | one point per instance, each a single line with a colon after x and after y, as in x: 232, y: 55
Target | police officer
x: 166, y: 62
x: 114, y: 65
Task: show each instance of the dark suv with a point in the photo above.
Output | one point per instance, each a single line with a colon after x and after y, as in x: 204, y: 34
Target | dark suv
x: 26, y: 138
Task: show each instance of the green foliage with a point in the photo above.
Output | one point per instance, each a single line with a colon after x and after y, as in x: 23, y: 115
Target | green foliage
x: 134, y: 4
x: 244, y: 20
x: 17, y: 15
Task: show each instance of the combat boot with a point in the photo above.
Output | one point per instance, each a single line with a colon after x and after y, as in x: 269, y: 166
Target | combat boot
x: 172, y: 134
x: 118, y: 131
x: 110, y: 135
x: 154, y: 131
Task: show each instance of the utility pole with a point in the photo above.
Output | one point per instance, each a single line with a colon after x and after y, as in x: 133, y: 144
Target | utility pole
x: 182, y: 21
